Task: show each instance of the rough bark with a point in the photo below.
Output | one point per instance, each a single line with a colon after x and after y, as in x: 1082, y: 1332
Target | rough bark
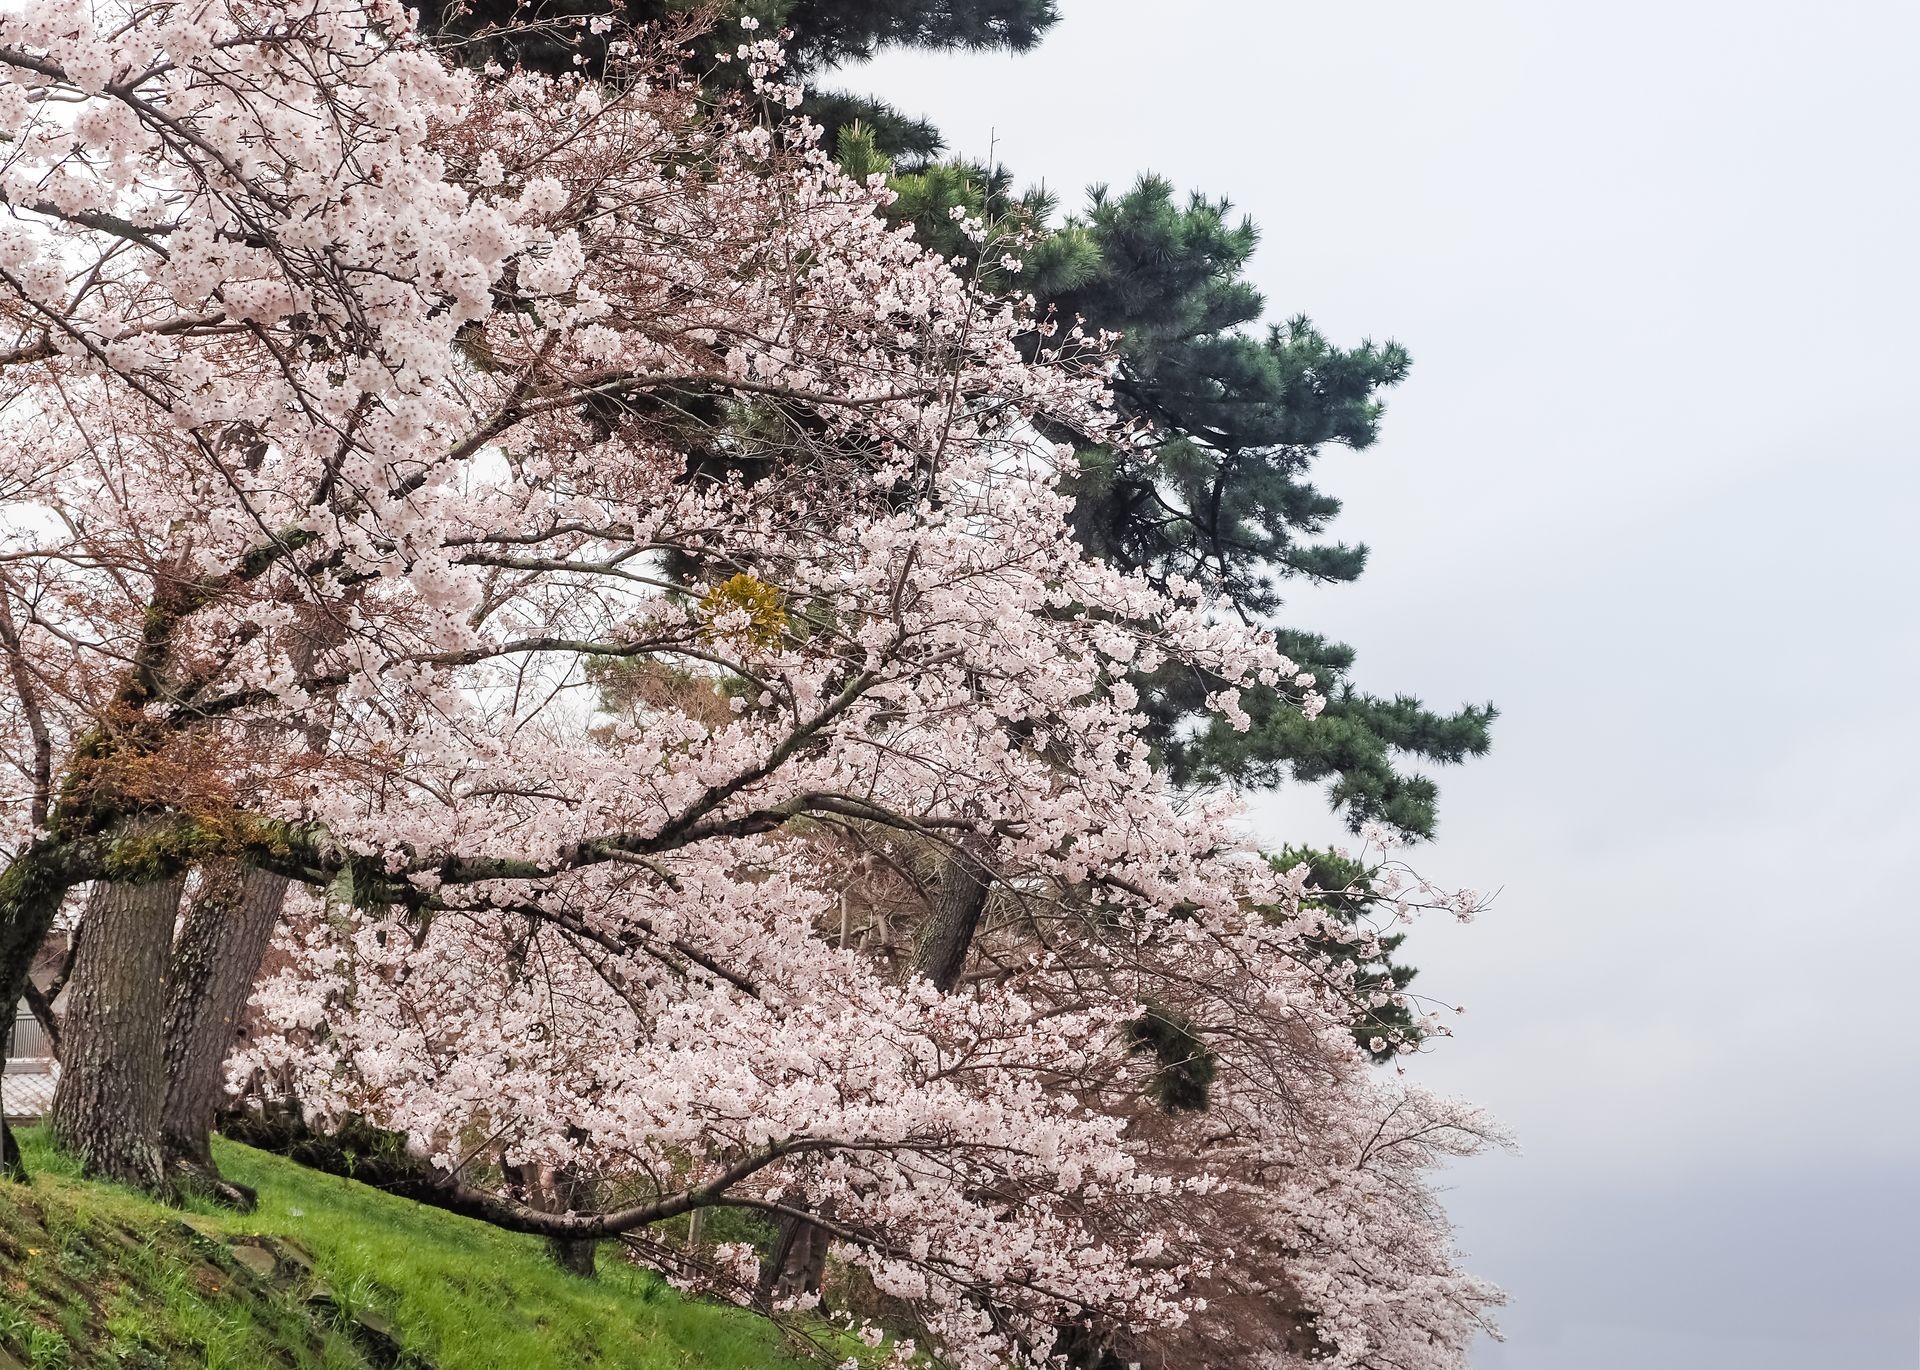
x: 31, y: 888
x: 40, y: 1005
x: 564, y: 1189
x: 774, y: 1272
x: 215, y: 961
x: 574, y: 1257
x: 547, y: 1190
x: 106, y: 1110
x: 807, y: 1268
x: 958, y: 903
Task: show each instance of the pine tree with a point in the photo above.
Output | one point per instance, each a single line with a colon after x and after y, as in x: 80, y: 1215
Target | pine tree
x: 1215, y: 487
x: 1347, y: 890
x: 822, y: 35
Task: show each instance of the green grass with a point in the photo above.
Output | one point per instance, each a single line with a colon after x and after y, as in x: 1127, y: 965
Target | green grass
x: 95, y: 1276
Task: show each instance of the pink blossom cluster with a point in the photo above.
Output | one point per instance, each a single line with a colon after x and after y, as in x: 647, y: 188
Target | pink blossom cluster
x: 369, y: 424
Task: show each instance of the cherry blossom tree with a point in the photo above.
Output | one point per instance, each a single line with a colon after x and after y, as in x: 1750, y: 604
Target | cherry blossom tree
x: 363, y: 417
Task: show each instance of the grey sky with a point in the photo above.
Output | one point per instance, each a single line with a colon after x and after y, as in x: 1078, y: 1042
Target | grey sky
x: 1652, y: 488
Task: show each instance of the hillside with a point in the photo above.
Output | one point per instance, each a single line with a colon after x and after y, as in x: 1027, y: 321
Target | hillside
x: 329, y: 1274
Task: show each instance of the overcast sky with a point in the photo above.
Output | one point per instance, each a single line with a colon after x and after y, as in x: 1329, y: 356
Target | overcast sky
x: 1652, y: 488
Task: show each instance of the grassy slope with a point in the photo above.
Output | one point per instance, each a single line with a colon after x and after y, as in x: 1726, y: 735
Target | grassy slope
x: 96, y: 1276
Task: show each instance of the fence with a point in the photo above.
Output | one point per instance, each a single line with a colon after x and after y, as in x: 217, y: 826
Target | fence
x: 28, y: 1052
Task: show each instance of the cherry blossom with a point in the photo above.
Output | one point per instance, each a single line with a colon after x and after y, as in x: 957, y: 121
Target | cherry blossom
x: 368, y: 420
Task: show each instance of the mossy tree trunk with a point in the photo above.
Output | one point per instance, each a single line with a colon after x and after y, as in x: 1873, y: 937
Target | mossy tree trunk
x: 113, y: 1082
x: 215, y: 961
x: 31, y: 889
x: 106, y: 1109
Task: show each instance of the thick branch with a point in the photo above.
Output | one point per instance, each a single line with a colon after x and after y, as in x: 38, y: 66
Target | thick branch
x: 381, y: 1160
x: 29, y: 695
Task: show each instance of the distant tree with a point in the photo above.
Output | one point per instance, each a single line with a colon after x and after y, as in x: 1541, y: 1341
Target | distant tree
x: 823, y: 35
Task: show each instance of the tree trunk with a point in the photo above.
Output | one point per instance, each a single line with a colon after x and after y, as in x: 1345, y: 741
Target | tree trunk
x: 799, y: 1259
x: 40, y: 1005
x: 31, y: 888
x: 215, y: 962
x: 548, y: 1190
x: 957, y: 906
x: 11, y: 1165
x: 807, y: 1266
x: 106, y: 1110
x: 773, y: 1274
x: 797, y: 1264
x: 574, y: 1256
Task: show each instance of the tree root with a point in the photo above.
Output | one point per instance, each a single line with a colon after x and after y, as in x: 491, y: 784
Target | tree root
x: 203, y: 1181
